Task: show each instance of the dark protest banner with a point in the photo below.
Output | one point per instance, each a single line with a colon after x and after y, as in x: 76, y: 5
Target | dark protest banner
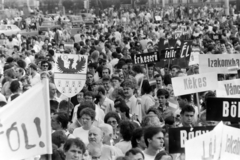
x: 145, y: 58
x: 178, y: 137
x: 223, y: 109
x: 185, y: 47
x: 215, y: 37
x: 170, y: 53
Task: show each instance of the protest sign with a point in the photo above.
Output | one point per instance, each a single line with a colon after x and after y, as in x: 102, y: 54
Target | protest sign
x: 25, y: 125
x: 194, y: 83
x: 178, y: 137
x: 229, y: 88
x: 218, y: 64
x: 225, y: 109
x: 230, y: 143
x: 206, y: 146
x: 70, y: 73
x: 194, y: 58
x: 158, y: 18
x: 170, y: 53
x: 215, y: 37
x: 145, y: 58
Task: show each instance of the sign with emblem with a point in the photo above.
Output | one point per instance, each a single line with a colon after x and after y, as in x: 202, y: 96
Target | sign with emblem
x: 70, y: 73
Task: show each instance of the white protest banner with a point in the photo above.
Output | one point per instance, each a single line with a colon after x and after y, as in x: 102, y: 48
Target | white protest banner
x: 194, y: 58
x: 230, y: 143
x: 206, y: 146
x: 195, y: 83
x: 25, y: 125
x: 70, y: 73
x: 158, y: 18
x: 228, y: 88
x: 218, y: 63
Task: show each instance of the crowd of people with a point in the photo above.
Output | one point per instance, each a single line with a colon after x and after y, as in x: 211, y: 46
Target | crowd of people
x: 125, y: 110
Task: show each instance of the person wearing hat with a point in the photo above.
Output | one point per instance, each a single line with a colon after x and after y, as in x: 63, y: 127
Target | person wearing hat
x: 34, y: 77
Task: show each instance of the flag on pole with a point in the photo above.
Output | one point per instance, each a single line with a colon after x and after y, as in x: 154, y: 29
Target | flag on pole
x: 25, y: 129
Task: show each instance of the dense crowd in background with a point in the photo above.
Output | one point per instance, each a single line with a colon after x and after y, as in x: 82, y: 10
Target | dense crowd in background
x: 124, y: 110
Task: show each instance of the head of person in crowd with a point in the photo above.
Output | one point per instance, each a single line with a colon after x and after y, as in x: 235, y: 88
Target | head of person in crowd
x: 57, y: 154
x: 183, y: 100
x: 125, y: 69
x: 134, y: 154
x: 115, y: 82
x: 86, y: 117
x: 88, y: 96
x: 65, y: 106
x: 163, y: 155
x: 187, y: 116
x: 95, y: 135
x: 15, y: 87
x: 126, y: 129
x: 174, y: 70
x: 207, y: 95
x: 90, y: 78
x: 137, y: 140
x: 52, y: 91
x: 151, y: 120
x: 159, y: 81
x: 74, y: 149
x: 113, y: 119
x: 154, y: 139
x: 32, y: 69
x: 92, y: 68
x: 154, y: 111
x: 129, y: 63
x: 80, y: 96
x: 106, y: 83
x: 59, y: 139
x: 95, y: 151
x: 167, y: 79
x: 107, y: 131
x: 146, y: 87
x: 117, y: 93
x: 53, y: 106
x: 122, y: 109
x: 128, y: 88
x: 106, y: 72
x: 45, y: 66
x: 162, y: 95
x: 59, y: 121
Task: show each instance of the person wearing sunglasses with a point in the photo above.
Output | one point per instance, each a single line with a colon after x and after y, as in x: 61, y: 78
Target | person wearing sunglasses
x: 45, y: 66
x: 113, y: 119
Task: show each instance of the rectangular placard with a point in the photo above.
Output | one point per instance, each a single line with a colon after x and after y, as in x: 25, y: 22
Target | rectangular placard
x: 229, y: 88
x: 145, y: 58
x: 223, y: 109
x: 218, y: 63
x: 195, y: 83
x: 178, y: 137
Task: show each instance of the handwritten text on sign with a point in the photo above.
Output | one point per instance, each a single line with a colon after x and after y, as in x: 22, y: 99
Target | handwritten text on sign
x: 219, y: 64
x: 194, y: 83
x: 25, y: 125
x: 229, y: 88
x: 223, y: 109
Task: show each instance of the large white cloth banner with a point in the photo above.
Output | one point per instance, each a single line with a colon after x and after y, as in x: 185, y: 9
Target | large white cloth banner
x: 206, y: 146
x: 25, y: 125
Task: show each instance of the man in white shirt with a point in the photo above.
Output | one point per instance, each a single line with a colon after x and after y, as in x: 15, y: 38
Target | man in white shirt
x: 33, y: 75
x: 105, y: 103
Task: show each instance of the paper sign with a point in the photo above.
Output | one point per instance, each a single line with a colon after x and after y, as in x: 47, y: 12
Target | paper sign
x: 194, y: 58
x: 223, y: 109
x: 178, y: 137
x: 25, y: 125
x: 194, y: 83
x: 218, y: 63
x: 206, y: 146
x: 70, y: 73
x: 229, y: 88
x: 158, y: 18
x: 230, y: 143
x: 145, y: 58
